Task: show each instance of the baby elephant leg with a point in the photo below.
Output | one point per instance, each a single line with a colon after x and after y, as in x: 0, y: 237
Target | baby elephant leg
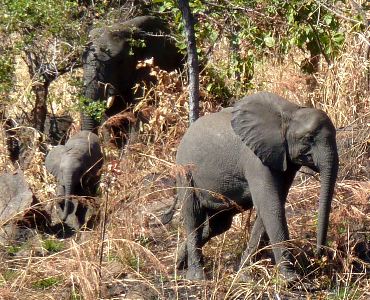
x: 216, y: 223
x: 257, y: 240
x: 182, y: 253
x: 194, y: 219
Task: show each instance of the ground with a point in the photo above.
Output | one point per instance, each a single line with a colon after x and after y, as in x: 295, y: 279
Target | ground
x: 130, y: 255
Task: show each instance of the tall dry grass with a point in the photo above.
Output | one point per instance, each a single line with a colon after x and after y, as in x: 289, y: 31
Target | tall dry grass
x: 129, y: 255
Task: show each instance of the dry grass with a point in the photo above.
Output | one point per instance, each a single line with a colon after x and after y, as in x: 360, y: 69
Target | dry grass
x: 138, y: 258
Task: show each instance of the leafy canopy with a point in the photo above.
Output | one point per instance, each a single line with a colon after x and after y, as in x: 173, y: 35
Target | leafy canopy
x: 263, y: 27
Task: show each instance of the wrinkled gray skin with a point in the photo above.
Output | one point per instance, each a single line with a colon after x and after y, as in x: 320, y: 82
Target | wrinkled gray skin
x: 76, y: 166
x: 109, y: 61
x: 248, y: 156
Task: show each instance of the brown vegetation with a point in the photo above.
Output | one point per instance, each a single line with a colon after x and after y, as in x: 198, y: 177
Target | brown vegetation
x: 129, y: 256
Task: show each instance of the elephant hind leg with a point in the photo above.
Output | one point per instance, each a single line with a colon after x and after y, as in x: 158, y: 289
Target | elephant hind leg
x: 257, y: 240
x: 215, y: 224
x: 219, y: 222
x: 194, y: 220
x: 182, y: 254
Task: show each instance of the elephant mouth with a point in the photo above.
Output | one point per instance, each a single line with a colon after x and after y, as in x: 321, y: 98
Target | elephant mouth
x: 307, y: 161
x: 314, y: 168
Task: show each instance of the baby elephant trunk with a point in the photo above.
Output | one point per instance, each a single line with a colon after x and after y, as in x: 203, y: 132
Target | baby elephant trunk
x: 72, y: 178
x: 67, y: 208
x: 328, y: 167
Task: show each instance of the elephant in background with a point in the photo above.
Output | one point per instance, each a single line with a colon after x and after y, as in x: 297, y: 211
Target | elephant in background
x: 248, y: 156
x: 110, y: 60
x: 76, y: 166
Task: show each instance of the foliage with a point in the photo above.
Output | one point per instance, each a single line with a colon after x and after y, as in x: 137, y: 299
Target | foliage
x: 7, y: 275
x: 252, y: 28
x: 6, y: 73
x: 46, y: 283
x: 52, y: 245
x: 34, y: 15
x: 38, y: 25
x: 93, y: 108
x: 135, y: 43
x: 13, y: 249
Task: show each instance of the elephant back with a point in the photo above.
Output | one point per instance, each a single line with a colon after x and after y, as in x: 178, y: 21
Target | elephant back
x: 115, y: 42
x: 208, y: 138
x: 86, y: 146
x: 142, y: 23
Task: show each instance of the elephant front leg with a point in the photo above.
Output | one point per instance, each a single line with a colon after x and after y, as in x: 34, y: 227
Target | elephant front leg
x: 274, y: 222
x: 194, y: 219
x: 269, y: 198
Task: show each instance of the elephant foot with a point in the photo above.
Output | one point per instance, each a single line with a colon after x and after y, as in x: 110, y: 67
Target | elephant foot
x: 73, y: 222
x: 245, y: 276
x: 294, y: 281
x: 195, y: 273
x: 290, y: 276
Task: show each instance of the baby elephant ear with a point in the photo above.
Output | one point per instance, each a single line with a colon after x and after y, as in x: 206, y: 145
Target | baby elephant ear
x: 261, y: 121
x: 52, y: 160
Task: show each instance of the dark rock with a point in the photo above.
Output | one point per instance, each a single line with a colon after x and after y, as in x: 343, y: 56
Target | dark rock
x: 56, y: 128
x: 361, y: 251
x: 23, y: 141
x: 16, y: 198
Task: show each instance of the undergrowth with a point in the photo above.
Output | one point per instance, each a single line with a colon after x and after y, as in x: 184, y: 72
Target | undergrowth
x: 134, y: 257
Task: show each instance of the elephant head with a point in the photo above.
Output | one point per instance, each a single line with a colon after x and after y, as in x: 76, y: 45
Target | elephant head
x: 284, y: 134
x: 76, y: 166
x: 110, y: 59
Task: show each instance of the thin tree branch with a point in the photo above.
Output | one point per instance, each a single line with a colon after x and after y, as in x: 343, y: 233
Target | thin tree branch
x: 192, y: 60
x: 338, y: 14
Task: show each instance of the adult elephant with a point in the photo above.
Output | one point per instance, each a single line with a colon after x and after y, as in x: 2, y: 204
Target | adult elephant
x: 248, y: 156
x: 76, y: 166
x: 110, y: 60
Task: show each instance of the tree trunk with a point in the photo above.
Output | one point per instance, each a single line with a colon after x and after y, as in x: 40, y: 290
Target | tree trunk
x: 40, y: 88
x: 193, y: 67
x: 368, y: 60
x: 39, y: 112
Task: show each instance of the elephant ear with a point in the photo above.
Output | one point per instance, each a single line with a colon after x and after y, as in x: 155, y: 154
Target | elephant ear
x: 261, y: 121
x: 52, y: 160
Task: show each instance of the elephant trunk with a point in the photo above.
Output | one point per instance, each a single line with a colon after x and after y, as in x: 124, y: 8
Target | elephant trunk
x: 91, y: 88
x: 71, y: 179
x: 327, y: 164
x: 67, y: 200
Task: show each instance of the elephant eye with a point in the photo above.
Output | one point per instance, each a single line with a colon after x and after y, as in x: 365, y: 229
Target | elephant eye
x: 308, y: 139
x: 305, y: 150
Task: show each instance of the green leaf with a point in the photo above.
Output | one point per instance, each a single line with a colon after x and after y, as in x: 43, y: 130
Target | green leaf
x: 269, y: 41
x: 46, y: 283
x: 338, y: 38
x: 328, y: 19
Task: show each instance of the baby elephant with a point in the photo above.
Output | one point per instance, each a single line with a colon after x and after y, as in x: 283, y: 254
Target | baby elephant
x: 76, y: 166
x: 247, y: 156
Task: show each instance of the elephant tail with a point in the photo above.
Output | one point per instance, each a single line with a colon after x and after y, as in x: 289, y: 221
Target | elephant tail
x: 186, y: 187
x: 168, y: 215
